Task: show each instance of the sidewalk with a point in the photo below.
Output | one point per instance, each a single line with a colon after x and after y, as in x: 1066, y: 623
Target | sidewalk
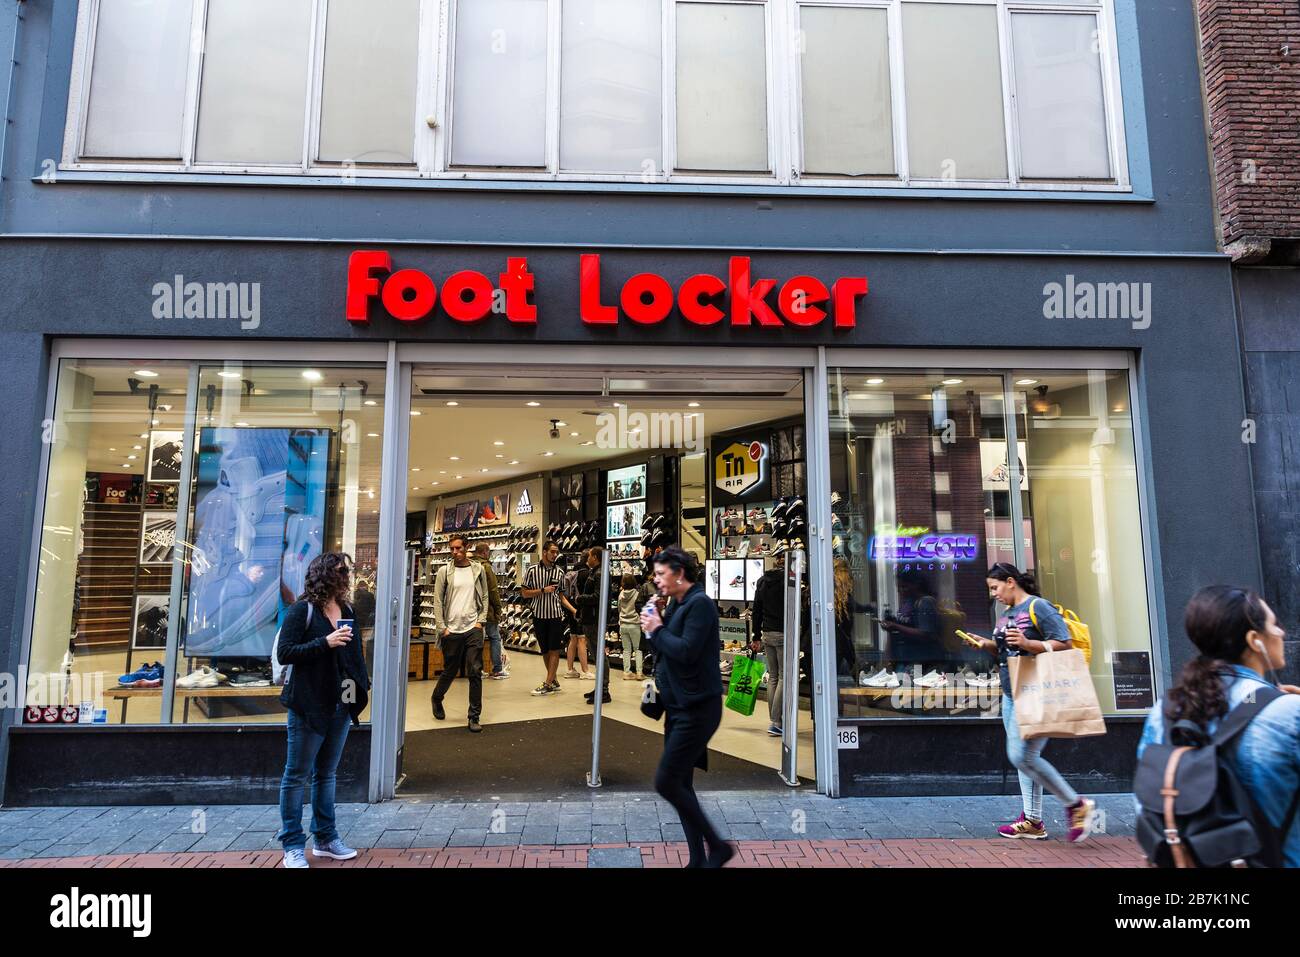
x: 772, y: 829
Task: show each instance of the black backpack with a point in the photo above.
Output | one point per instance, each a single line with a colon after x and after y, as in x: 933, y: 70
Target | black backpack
x: 1194, y: 810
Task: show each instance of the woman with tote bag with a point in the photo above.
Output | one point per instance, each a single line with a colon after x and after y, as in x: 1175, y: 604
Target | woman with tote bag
x: 1030, y: 626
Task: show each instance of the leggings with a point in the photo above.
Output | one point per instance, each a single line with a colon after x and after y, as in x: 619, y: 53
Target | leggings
x: 1035, y: 773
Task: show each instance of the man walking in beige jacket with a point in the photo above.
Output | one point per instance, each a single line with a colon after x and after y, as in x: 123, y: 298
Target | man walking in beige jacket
x: 460, y: 608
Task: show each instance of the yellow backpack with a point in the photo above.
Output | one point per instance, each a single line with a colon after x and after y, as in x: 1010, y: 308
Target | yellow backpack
x: 1080, y: 635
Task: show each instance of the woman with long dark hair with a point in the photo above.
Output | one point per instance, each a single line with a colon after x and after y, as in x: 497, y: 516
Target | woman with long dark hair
x: 1239, y: 642
x: 686, y: 641
x: 326, y: 692
x: 1031, y: 625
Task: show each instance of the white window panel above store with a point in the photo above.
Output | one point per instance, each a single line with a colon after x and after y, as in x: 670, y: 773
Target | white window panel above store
x: 937, y: 94
x: 254, y: 93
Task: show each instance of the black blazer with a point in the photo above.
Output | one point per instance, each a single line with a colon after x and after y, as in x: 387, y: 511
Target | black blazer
x: 687, y: 649
x: 315, y: 686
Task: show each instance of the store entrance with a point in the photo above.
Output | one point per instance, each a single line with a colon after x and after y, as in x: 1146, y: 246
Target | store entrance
x: 627, y: 460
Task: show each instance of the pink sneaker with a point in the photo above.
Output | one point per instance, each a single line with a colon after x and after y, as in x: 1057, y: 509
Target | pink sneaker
x: 1022, y: 827
x: 1083, y: 816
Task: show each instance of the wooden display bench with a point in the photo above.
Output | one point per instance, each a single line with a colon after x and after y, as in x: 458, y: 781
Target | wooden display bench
x: 426, y: 661
x: 222, y: 691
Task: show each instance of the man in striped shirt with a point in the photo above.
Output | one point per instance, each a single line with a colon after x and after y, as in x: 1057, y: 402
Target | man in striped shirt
x: 542, y: 586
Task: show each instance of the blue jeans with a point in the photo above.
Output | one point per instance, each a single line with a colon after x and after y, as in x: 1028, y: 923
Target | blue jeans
x: 492, y: 632
x: 310, y: 753
x: 1035, y: 773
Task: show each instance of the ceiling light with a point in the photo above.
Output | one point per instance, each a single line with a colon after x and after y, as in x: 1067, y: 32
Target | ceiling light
x: 618, y: 405
x: 500, y: 456
x: 455, y: 458
x: 435, y: 483
x: 482, y: 470
x: 453, y: 403
x: 561, y: 425
x: 145, y: 374
x: 415, y: 412
x: 953, y: 381
x: 692, y: 405
x: 532, y: 405
x: 228, y: 374
x: 573, y: 434
x: 498, y: 442
x: 514, y: 461
x: 372, y: 435
x: 311, y: 375
x: 460, y: 476
x: 1026, y: 382
x: 548, y: 454
x: 114, y: 450
x: 415, y: 488
x: 144, y: 435
x: 875, y: 382
x: 416, y: 469
x: 137, y: 447
x: 242, y: 425
x: 370, y: 402
x: 126, y: 465
x: 131, y: 458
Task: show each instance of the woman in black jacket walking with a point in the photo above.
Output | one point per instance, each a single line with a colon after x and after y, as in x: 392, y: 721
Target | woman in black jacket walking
x: 325, y: 693
x: 687, y: 644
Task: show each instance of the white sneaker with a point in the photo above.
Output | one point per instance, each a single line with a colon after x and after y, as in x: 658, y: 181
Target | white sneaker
x: 932, y: 680
x: 865, y: 678
x: 886, y: 679
x: 204, y: 677
x: 570, y: 674
x: 981, y: 681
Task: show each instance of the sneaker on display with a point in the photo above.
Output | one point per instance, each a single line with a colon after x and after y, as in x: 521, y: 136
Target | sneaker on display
x: 886, y: 679
x: 865, y: 678
x: 934, y: 679
x: 204, y: 677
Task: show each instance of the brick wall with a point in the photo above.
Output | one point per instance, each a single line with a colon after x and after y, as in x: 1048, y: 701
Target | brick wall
x: 1251, y: 56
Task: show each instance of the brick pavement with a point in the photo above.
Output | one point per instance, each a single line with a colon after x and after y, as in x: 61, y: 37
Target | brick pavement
x: 1098, y: 852
x: 772, y: 828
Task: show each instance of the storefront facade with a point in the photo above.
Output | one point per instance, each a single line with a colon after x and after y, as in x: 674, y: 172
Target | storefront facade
x: 1090, y: 331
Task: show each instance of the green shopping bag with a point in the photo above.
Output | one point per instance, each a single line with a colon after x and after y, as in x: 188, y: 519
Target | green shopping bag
x: 742, y: 693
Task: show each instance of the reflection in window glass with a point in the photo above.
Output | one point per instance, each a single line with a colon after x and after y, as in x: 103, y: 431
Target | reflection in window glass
x: 287, y: 465
x: 921, y: 485
x: 109, y: 520
x: 1081, y: 502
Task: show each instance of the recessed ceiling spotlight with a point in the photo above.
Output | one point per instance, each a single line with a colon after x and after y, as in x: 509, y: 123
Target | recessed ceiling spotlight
x: 561, y: 425
x: 573, y: 434
x: 482, y: 470
x: 514, y: 461
x: 370, y: 402
x: 114, y: 450
x: 228, y: 374
x: 416, y: 469
x: 692, y: 405
x: 453, y: 403
x: 548, y: 454
x: 146, y: 374
x: 460, y: 476
x: 415, y: 412
x: 532, y: 405
x: 137, y: 447
x: 372, y: 435
x: 1026, y: 382
x: 953, y: 381
x: 500, y: 456
x: 454, y: 458
x: 498, y: 442
x: 875, y: 382
x: 311, y: 375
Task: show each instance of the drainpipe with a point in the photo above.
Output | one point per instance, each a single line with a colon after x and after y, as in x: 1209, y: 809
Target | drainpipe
x: 9, y: 96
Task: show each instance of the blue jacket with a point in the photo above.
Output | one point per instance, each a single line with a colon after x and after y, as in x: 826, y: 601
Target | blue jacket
x: 687, y: 650
x: 1267, y: 756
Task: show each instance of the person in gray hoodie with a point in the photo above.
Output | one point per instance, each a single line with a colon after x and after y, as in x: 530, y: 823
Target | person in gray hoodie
x: 460, y: 610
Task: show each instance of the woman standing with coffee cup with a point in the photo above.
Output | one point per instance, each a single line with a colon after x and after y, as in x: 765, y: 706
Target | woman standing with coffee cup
x: 325, y: 693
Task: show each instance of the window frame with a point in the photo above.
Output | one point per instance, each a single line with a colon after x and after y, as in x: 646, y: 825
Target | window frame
x: 433, y: 123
